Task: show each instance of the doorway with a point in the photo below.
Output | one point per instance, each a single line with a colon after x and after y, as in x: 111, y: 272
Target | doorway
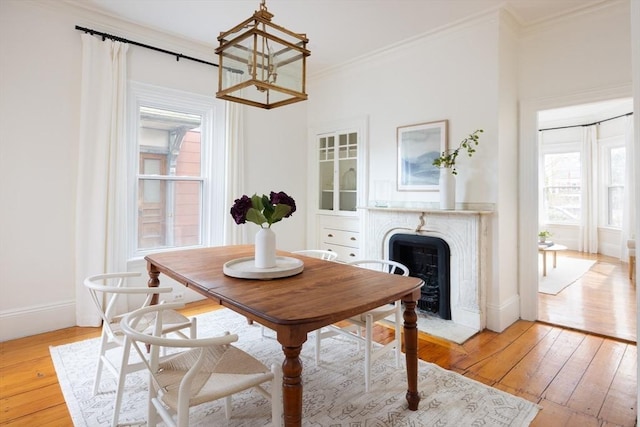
x: 584, y: 216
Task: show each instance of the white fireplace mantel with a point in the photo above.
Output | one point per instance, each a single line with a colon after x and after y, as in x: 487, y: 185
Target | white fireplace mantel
x: 465, y: 231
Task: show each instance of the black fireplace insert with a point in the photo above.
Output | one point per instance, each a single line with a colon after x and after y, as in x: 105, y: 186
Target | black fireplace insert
x: 428, y: 258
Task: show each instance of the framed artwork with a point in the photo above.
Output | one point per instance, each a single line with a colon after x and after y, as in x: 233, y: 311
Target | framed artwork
x: 418, y: 146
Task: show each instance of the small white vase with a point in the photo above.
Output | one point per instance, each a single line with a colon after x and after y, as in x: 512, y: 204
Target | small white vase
x: 447, y: 186
x: 265, y: 248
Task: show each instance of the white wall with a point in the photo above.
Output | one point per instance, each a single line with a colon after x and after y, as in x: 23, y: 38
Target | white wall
x: 474, y: 75
x: 276, y: 150
x: 39, y: 114
x: 467, y: 75
x: 40, y: 65
x: 431, y: 79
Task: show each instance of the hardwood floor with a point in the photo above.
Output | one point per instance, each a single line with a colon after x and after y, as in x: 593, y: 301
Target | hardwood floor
x: 578, y: 379
x: 602, y: 302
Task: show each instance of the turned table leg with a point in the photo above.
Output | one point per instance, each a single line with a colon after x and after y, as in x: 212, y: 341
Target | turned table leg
x: 411, y: 351
x: 292, y: 386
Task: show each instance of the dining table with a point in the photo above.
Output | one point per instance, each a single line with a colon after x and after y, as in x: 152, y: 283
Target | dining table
x: 321, y: 293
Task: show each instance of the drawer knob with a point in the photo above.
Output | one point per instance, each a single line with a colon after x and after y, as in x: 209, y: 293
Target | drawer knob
x: 353, y: 238
x: 352, y: 255
x: 329, y: 235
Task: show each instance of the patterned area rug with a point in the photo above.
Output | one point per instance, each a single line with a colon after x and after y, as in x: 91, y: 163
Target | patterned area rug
x: 333, y: 392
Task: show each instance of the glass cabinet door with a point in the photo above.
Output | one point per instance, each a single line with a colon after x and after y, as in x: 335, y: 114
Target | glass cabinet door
x: 347, y: 162
x: 338, y: 159
x: 327, y: 159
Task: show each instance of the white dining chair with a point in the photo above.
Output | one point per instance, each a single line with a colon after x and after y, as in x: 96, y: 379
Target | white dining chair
x: 318, y: 253
x: 366, y: 320
x: 201, y: 371
x: 108, y: 293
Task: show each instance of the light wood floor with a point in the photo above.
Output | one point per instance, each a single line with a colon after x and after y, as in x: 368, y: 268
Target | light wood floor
x: 603, y: 301
x: 578, y: 379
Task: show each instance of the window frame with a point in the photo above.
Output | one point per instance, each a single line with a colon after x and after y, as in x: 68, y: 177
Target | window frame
x: 605, y: 145
x: 213, y: 152
x: 554, y: 148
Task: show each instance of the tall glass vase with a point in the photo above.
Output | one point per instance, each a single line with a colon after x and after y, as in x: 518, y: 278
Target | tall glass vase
x: 447, y: 186
x: 265, y: 248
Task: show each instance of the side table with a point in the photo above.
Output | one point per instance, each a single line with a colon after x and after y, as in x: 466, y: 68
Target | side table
x: 543, y: 249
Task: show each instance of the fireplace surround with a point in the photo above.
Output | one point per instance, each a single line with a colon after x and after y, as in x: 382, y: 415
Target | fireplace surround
x: 466, y: 234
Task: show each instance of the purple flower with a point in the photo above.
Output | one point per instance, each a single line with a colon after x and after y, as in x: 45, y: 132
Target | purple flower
x: 240, y: 208
x: 284, y: 199
x: 262, y: 210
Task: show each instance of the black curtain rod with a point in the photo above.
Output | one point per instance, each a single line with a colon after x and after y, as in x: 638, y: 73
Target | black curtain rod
x: 589, y: 124
x: 146, y: 46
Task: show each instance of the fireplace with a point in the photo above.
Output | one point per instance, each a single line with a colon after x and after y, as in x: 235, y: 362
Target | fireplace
x: 428, y: 258
x: 466, y: 236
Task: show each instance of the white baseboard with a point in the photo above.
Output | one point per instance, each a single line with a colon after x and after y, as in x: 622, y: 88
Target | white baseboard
x: 36, y: 320
x: 501, y: 317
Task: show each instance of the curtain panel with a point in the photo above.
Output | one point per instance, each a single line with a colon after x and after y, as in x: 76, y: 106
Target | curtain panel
x: 234, y: 234
x: 101, y: 193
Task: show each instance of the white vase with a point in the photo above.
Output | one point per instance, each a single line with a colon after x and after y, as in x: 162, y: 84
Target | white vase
x: 265, y: 248
x: 447, y: 189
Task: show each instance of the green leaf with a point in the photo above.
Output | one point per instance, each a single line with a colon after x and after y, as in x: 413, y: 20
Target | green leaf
x: 268, y: 209
x: 280, y: 212
x: 256, y: 216
x: 256, y: 202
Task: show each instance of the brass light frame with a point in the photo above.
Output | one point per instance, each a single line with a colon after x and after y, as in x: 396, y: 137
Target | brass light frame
x: 270, y: 59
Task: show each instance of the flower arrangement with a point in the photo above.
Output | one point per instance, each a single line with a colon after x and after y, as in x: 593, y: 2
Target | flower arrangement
x: 448, y: 158
x: 263, y: 210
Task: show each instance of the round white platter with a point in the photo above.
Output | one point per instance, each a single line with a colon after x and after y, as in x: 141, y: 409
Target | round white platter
x: 245, y: 268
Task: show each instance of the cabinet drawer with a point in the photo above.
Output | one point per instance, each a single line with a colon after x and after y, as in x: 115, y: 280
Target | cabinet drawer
x: 340, y: 237
x: 345, y: 254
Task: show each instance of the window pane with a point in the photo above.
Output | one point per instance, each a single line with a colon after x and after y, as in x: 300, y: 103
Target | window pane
x: 175, y: 135
x: 169, y: 211
x: 169, y: 217
x: 617, y: 166
x: 561, y: 194
x: 614, y: 198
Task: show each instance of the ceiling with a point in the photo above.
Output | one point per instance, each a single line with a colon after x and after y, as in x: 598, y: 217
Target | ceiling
x: 338, y: 30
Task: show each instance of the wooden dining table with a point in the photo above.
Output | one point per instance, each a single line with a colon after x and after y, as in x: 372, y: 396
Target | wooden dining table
x: 325, y: 292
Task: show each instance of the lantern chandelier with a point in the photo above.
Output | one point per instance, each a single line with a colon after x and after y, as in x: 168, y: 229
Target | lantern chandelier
x: 262, y: 64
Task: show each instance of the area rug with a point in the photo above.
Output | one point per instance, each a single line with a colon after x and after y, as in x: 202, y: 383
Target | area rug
x: 333, y: 392
x: 567, y: 271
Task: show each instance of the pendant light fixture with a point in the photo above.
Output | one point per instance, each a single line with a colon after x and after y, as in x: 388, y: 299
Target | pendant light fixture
x: 269, y: 63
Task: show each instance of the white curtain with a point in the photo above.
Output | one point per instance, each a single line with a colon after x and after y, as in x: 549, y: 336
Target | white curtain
x: 101, y: 200
x: 234, y: 233
x: 628, y: 214
x: 588, y: 238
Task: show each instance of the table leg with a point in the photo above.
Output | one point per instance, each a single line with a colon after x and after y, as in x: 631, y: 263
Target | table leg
x: 154, y: 281
x: 555, y: 253
x: 411, y: 351
x: 292, y: 386
x: 544, y: 263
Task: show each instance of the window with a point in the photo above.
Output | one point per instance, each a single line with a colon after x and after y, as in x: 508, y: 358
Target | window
x: 561, y: 175
x: 613, y: 170
x: 561, y: 188
x: 175, y: 152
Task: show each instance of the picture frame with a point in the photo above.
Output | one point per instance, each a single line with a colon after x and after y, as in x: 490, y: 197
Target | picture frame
x: 418, y: 146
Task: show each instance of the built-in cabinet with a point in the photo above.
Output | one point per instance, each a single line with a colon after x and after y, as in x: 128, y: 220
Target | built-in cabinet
x: 340, y: 234
x: 338, y: 187
x: 337, y: 166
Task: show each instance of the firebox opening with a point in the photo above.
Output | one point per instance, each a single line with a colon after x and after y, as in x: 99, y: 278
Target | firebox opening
x: 429, y: 259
